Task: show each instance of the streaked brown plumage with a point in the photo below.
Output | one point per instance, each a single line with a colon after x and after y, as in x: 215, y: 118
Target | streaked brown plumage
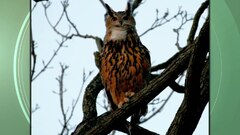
x: 125, y: 61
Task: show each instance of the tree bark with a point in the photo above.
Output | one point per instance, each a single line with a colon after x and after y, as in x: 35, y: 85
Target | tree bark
x: 193, y: 104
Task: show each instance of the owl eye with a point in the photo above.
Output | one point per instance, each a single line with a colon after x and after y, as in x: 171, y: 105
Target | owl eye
x: 114, y: 18
x: 125, y: 18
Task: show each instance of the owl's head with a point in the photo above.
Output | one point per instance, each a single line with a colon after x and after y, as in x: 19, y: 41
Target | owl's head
x: 121, y: 19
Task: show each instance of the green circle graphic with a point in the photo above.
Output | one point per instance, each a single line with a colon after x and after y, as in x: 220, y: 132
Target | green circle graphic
x: 19, y: 69
x: 225, y: 67
x: 218, y: 78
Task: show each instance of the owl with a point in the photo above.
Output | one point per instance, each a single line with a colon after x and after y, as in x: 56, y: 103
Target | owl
x: 124, y: 61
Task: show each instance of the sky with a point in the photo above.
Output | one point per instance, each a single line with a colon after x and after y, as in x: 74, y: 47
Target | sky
x: 88, y: 16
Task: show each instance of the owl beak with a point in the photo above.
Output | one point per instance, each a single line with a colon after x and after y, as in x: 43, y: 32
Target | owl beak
x: 121, y: 22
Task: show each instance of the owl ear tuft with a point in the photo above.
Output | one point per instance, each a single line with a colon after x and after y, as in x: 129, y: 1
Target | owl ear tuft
x: 109, y: 10
x: 128, y: 9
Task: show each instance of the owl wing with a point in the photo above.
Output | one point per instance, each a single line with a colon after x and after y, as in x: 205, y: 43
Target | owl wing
x: 105, y: 67
x: 146, y: 64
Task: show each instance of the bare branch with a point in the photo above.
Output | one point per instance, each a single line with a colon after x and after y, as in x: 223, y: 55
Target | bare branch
x: 35, y: 108
x: 196, y: 20
x: 184, y: 20
x: 159, y: 109
x: 90, y: 97
x: 67, y: 36
x: 33, y: 56
x: 48, y: 20
x: 45, y: 66
x: 136, y: 129
x: 59, y: 20
x: 85, y: 78
x: 105, y: 103
x: 61, y: 91
x: 176, y: 88
x: 34, y: 6
x: 190, y: 37
x: 64, y: 12
x: 66, y: 119
x: 160, y: 66
x: 39, y: 0
x: 161, y: 21
x: 192, y: 107
x: 165, y: 64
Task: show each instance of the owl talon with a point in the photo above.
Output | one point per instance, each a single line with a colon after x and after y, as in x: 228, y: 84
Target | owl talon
x: 120, y: 104
x: 126, y: 99
x: 129, y: 94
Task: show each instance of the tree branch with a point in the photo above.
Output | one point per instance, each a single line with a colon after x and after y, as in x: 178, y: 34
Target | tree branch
x: 64, y: 12
x: 35, y: 108
x: 75, y: 102
x: 61, y: 91
x: 136, y: 129
x: 34, y: 57
x: 176, y: 87
x: 196, y: 21
x: 161, y: 21
x: 191, y: 108
x: 90, y: 97
x: 45, y: 66
x: 184, y: 20
x: 168, y: 62
x: 159, y: 109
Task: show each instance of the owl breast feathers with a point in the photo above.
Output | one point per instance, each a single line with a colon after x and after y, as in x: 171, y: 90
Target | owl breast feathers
x: 125, y: 61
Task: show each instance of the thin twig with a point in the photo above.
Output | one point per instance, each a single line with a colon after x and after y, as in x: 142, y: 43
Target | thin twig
x: 45, y: 66
x: 167, y: 63
x: 48, y: 20
x: 34, y: 6
x: 159, y: 109
x: 184, y: 20
x: 161, y: 21
x: 67, y: 117
x: 59, y: 20
x: 35, y: 108
x: 61, y: 91
x: 64, y: 12
x: 85, y: 78
x: 105, y: 104
x: 162, y: 106
x: 64, y: 37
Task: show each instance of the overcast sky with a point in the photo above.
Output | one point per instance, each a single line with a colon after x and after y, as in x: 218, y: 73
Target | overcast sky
x: 89, y: 19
